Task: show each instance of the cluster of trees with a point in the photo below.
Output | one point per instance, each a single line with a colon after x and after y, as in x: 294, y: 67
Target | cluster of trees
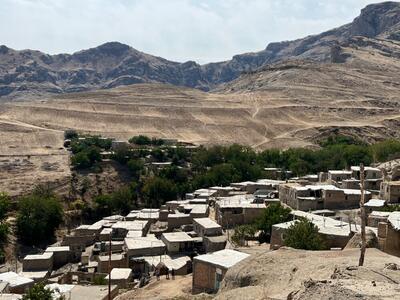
x: 38, y: 216
x: 336, y: 152
x: 213, y: 166
x: 143, y: 140
x: 121, y: 201
x: 86, y: 151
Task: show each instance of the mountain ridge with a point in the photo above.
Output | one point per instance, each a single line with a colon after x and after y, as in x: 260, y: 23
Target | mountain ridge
x: 27, y: 73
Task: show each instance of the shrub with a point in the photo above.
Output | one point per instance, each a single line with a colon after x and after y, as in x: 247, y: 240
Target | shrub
x: 243, y: 233
x: 39, y: 292
x: 303, y: 234
x: 70, y: 134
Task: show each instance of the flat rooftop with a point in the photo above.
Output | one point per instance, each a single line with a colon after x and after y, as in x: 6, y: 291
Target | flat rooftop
x: 375, y: 203
x: 357, y: 168
x: 131, y: 225
x: 226, y: 258
x: 143, y: 243
x: 45, y: 255
x: 113, y: 218
x: 380, y: 214
x: 120, y: 274
x: 326, y: 225
x: 340, y: 172
x: 176, y: 237
x: 199, y: 209
x: 84, y: 292
x: 58, y: 249
x: 14, y: 279
x: 207, y: 223
x: 394, y: 220
x: 114, y: 256
x: 237, y: 201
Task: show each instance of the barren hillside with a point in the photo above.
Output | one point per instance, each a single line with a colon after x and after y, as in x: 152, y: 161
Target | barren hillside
x: 313, y: 275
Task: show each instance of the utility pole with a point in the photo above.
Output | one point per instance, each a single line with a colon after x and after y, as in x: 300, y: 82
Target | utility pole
x: 362, y: 208
x: 109, y: 270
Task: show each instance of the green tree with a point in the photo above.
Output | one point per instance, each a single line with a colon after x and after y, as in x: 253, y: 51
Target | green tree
x: 39, y: 292
x: 273, y: 214
x: 136, y: 166
x: 140, y: 140
x: 37, y: 218
x: 70, y: 134
x: 303, y: 234
x: 243, y: 233
x: 157, y: 191
x: 81, y: 160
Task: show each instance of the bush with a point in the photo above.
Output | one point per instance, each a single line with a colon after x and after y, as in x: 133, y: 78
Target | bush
x: 243, y: 233
x: 303, y: 234
x: 70, y: 134
x: 37, y: 218
x: 273, y: 214
x: 39, y: 292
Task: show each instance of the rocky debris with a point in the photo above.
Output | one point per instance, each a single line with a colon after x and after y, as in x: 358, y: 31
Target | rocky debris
x: 32, y: 73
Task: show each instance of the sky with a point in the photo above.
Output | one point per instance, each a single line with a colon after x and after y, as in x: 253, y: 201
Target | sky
x: 179, y: 30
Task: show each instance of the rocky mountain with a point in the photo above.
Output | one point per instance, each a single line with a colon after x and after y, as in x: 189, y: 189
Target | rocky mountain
x: 27, y: 72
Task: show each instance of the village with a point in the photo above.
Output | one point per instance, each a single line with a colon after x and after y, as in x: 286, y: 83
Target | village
x: 193, y: 236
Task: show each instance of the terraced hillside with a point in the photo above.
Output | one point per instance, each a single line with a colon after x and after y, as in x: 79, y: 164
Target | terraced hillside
x: 354, y: 90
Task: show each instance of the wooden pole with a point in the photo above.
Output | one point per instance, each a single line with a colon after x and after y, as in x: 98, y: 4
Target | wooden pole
x: 363, y: 217
x: 109, y: 270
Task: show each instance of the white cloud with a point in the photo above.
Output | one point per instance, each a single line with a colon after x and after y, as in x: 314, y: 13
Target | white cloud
x: 201, y: 30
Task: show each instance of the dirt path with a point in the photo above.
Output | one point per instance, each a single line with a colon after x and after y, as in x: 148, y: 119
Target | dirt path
x: 22, y: 124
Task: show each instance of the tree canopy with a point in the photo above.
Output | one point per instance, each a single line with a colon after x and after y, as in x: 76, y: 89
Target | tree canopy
x: 303, y: 234
x: 38, y: 216
x: 273, y: 214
